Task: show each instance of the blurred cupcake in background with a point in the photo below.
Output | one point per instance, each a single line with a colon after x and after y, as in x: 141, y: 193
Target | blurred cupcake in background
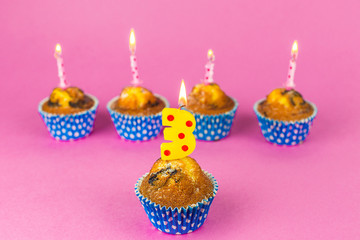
x: 136, y: 112
x: 285, y: 118
x: 68, y: 113
x: 214, y: 111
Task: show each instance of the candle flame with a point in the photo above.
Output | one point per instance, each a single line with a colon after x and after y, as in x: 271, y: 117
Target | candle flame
x: 132, y: 41
x: 58, y: 49
x: 294, y: 49
x: 211, y: 55
x: 182, y: 95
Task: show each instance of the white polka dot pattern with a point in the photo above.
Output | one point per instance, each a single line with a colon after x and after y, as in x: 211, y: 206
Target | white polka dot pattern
x: 214, y: 127
x: 72, y: 126
x: 136, y: 128
x: 284, y: 132
x: 177, y: 221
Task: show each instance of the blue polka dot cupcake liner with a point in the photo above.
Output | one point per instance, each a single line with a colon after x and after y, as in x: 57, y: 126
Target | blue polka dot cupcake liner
x: 177, y: 220
x: 136, y: 128
x: 288, y: 133
x: 68, y: 127
x: 214, y: 127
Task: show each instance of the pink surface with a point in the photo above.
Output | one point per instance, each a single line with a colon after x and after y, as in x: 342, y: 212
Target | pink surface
x: 84, y: 189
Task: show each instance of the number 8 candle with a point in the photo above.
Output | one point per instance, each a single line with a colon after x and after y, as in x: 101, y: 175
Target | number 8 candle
x: 181, y: 125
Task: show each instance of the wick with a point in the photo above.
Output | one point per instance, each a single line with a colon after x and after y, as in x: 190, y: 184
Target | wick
x: 181, y: 106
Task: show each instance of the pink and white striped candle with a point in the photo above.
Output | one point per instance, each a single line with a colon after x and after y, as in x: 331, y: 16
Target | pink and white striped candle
x: 209, y: 68
x: 292, y: 67
x: 133, y: 62
x: 60, y: 64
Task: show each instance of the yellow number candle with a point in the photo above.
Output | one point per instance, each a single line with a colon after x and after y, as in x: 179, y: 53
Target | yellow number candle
x: 181, y: 125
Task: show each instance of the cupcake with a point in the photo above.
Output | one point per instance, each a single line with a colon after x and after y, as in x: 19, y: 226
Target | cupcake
x: 136, y: 113
x: 214, y: 111
x: 68, y: 113
x: 285, y: 118
x: 176, y: 195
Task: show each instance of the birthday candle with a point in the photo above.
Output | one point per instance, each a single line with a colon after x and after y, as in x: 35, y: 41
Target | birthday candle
x: 209, y: 68
x: 180, y: 131
x: 60, y: 64
x: 292, y: 66
x: 133, y: 63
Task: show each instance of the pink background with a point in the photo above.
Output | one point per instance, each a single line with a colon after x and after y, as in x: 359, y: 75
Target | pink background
x: 84, y: 189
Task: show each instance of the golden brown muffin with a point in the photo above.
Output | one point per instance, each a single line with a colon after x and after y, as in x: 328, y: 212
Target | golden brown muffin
x: 67, y: 101
x: 138, y: 101
x: 209, y: 99
x: 285, y: 105
x: 176, y: 183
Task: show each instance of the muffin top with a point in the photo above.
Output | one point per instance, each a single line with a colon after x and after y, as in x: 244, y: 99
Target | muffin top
x: 138, y: 101
x: 285, y: 105
x: 209, y: 99
x: 67, y: 101
x: 176, y: 183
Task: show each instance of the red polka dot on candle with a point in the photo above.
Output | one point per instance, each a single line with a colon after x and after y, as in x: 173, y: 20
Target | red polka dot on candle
x: 167, y: 152
x: 208, y: 69
x: 185, y: 148
x: 189, y: 123
x: 290, y: 67
x: 181, y: 135
x: 170, y: 118
x: 289, y: 76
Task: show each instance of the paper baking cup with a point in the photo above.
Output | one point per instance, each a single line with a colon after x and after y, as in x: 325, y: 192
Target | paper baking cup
x: 214, y: 127
x: 285, y: 132
x: 177, y: 220
x: 67, y: 127
x: 136, y: 128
